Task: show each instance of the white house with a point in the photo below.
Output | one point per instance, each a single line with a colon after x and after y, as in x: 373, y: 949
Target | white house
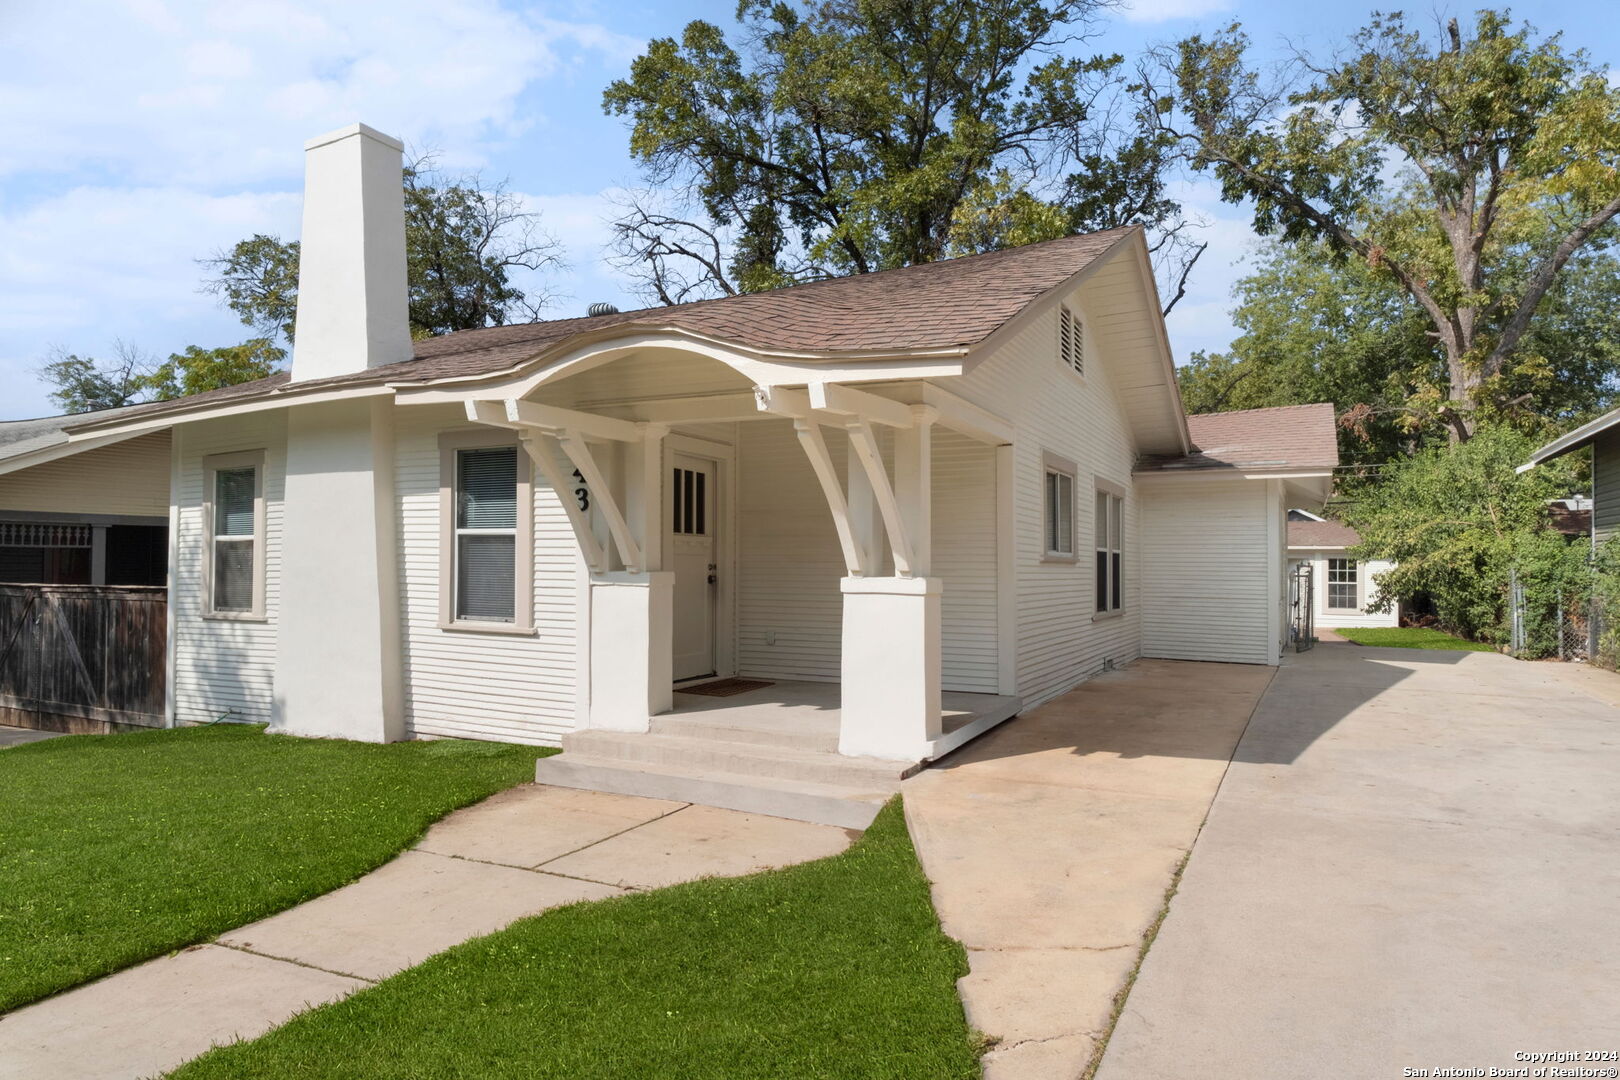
x: 1342, y: 588
x: 907, y: 503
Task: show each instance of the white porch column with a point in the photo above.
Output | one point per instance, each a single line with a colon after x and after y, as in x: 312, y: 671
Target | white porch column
x: 632, y: 631
x: 890, y: 667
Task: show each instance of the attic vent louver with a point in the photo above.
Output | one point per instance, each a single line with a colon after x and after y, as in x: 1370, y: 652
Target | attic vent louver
x: 601, y: 309
x: 1071, y: 341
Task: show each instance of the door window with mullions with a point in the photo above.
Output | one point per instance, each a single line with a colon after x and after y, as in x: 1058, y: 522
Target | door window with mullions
x: 689, y: 512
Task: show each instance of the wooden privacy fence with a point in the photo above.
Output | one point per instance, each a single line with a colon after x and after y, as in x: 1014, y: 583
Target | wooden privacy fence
x: 82, y: 658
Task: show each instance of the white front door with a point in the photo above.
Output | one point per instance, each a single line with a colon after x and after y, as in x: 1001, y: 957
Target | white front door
x: 693, y: 525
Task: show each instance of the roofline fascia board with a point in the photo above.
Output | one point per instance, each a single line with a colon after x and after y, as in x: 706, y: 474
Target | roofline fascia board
x: 210, y: 411
x: 59, y: 450
x: 1144, y: 264
x: 1318, y: 547
x: 1571, y: 441
x: 1229, y: 474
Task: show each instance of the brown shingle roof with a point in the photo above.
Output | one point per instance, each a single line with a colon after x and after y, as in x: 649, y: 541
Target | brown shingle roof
x: 954, y: 303
x: 1288, y: 438
x: 1321, y: 534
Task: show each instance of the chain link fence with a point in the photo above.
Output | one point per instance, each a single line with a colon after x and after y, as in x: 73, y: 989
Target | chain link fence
x: 1573, y: 625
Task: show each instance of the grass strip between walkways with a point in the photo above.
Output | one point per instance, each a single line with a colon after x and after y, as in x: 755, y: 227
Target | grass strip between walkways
x: 118, y: 848
x: 830, y: 969
x: 1409, y: 637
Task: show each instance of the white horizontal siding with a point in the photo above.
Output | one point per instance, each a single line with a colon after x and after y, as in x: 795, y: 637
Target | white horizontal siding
x: 128, y: 478
x: 1059, y: 642
x: 789, y: 564
x: 1209, y: 582
x: 964, y: 540
x: 225, y: 666
x: 480, y: 686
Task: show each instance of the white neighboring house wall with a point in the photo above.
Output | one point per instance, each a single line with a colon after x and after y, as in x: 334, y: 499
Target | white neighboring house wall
x: 224, y: 666
x: 1366, y: 589
x: 129, y: 478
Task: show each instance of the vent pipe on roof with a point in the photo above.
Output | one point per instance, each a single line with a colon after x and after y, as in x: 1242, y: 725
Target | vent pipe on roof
x: 601, y: 309
x: 352, y: 306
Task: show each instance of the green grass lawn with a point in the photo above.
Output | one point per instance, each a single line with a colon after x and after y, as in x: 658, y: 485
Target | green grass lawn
x: 1409, y: 637
x: 835, y: 968
x: 117, y: 848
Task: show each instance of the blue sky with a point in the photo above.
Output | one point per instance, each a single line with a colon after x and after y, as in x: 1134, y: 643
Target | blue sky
x: 138, y: 136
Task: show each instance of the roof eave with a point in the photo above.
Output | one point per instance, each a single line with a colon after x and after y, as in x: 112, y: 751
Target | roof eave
x: 1572, y: 441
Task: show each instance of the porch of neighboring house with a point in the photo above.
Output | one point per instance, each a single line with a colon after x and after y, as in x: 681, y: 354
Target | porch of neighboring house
x: 842, y: 548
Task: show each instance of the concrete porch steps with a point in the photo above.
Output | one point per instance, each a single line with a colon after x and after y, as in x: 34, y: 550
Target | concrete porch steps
x: 844, y: 805
x: 754, y: 759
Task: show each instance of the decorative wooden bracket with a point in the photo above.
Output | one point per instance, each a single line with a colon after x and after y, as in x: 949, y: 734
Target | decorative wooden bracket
x: 815, y: 448
x: 864, y: 447
x: 539, y: 448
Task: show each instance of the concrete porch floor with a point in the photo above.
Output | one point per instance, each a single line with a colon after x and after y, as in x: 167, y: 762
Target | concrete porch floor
x: 807, y: 714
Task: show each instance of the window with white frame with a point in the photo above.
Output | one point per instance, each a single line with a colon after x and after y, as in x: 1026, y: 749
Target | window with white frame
x: 233, y: 517
x: 1071, y: 340
x: 1343, y: 584
x: 1108, y: 528
x: 1059, y: 510
x: 486, y: 534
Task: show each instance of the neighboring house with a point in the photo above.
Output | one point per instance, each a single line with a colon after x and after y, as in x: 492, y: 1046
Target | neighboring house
x: 1603, y: 436
x: 91, y: 512
x: 1342, y: 588
x: 915, y: 501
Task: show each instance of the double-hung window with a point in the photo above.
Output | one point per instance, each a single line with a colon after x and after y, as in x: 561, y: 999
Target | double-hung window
x: 1059, y: 500
x: 486, y: 534
x: 1108, y: 527
x: 233, y: 520
x: 1342, y: 585
x: 486, y: 557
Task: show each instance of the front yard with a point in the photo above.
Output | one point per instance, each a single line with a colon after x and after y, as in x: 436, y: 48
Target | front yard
x: 835, y: 968
x: 115, y: 849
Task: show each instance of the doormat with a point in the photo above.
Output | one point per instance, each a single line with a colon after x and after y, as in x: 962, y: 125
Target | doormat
x: 725, y: 687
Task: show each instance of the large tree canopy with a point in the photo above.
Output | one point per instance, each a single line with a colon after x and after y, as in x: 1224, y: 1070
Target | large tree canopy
x: 464, y: 239
x: 1316, y: 328
x: 847, y: 136
x: 85, y: 384
x: 1470, y: 172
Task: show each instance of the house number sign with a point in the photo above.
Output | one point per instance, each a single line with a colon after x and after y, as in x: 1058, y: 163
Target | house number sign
x: 582, y: 492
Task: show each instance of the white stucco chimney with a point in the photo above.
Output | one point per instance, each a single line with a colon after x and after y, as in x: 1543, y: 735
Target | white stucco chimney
x: 352, y: 307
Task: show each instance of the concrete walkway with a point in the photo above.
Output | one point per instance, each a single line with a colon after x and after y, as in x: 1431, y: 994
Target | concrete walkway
x: 516, y: 854
x: 1051, y: 841
x: 16, y: 736
x: 1414, y: 862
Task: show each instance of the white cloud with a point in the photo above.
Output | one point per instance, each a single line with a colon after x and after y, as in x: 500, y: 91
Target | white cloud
x: 217, y: 92
x: 1157, y: 11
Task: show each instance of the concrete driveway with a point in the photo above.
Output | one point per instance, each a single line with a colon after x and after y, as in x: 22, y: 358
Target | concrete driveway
x: 1412, y: 863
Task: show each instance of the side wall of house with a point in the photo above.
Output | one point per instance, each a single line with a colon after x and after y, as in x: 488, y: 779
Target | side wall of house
x: 129, y: 478
x: 1207, y: 570
x: 224, y: 666
x: 513, y: 688
x: 1060, y: 640
x: 1606, y: 485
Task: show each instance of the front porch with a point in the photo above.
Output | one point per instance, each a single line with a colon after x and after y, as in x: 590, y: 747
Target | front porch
x: 852, y: 547
x: 806, y: 715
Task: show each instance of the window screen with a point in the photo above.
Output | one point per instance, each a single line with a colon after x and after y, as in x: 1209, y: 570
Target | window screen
x: 1059, y: 513
x: 486, y: 534
x: 235, y: 507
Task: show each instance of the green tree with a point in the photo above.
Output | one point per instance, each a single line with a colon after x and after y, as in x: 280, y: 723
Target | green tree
x: 1458, y: 520
x: 85, y: 384
x: 1469, y: 172
x: 464, y: 240
x: 858, y: 135
x: 1314, y: 328
x: 197, y: 370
